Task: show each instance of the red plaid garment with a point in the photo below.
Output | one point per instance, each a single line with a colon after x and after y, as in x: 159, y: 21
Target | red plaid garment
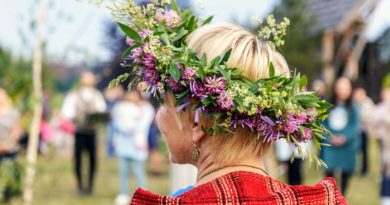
x: 244, y: 187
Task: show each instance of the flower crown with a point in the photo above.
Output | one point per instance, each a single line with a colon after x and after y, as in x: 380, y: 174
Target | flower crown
x: 273, y: 107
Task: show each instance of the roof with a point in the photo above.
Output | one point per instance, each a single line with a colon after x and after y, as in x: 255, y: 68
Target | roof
x: 330, y: 13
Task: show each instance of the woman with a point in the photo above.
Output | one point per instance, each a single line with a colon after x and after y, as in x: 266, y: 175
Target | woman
x: 366, y: 108
x: 230, y: 165
x: 344, y: 124
x: 131, y: 120
x: 9, y: 135
x: 381, y: 124
x: 9, y: 126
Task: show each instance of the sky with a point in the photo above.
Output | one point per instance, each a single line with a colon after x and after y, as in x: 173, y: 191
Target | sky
x: 75, y: 28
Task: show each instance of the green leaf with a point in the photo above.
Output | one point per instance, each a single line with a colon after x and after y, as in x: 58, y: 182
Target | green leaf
x: 302, y: 82
x: 207, y: 101
x: 271, y: 70
x: 181, y: 95
x: 204, y: 59
x: 306, y: 100
x: 226, y: 56
x: 180, y: 35
x: 175, y: 6
x: 127, y: 52
x: 215, y: 62
x: 130, y: 32
x: 186, y: 12
x: 191, y: 23
x: 174, y: 71
x: 165, y: 39
x: 208, y: 20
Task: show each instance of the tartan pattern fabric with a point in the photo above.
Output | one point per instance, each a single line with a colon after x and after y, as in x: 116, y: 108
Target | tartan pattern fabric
x: 249, y: 188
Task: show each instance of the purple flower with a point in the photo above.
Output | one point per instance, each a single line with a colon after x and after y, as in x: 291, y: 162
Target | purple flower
x: 291, y: 124
x: 269, y: 129
x: 197, y: 114
x: 175, y: 86
x: 236, y: 120
x: 224, y: 101
x: 189, y: 74
x: 130, y: 41
x: 306, y: 136
x: 197, y: 89
x: 153, y: 89
x: 143, y: 34
x: 149, y: 60
x: 136, y: 55
x: 302, y: 117
x: 151, y: 77
x: 171, y: 18
x: 185, y: 104
x: 312, y: 114
x: 214, y: 85
x: 180, y: 66
x: 243, y: 120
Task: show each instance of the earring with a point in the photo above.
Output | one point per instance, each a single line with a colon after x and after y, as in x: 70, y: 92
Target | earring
x: 195, y: 153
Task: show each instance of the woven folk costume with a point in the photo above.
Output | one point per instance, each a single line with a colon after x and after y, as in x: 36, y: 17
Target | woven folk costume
x: 244, y: 187
x: 235, y: 86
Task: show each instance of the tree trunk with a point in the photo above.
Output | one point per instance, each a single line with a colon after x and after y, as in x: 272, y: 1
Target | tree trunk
x: 37, y: 108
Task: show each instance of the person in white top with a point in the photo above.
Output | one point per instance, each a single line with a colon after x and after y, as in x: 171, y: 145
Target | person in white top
x: 82, y: 107
x: 380, y: 121
x: 366, y: 108
x: 131, y: 119
x: 284, y: 152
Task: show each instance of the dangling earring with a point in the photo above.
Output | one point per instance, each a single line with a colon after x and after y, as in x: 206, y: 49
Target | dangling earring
x: 195, y: 153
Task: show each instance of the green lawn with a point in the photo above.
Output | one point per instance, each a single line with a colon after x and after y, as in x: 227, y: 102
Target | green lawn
x: 55, y: 183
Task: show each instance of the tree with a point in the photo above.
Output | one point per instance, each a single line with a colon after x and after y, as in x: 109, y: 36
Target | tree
x: 37, y: 106
x: 302, y: 42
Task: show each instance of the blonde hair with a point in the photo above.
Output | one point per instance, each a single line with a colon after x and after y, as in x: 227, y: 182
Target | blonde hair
x: 253, y: 57
x: 248, y: 52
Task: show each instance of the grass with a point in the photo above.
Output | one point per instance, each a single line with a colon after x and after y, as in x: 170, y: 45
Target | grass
x: 56, y: 185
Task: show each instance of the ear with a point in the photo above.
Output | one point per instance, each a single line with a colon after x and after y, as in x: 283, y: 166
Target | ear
x: 197, y: 133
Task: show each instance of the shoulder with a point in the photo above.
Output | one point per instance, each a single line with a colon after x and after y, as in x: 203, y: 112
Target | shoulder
x: 123, y: 105
x: 97, y: 92
x: 72, y: 97
x: 248, y: 188
x: 148, y: 109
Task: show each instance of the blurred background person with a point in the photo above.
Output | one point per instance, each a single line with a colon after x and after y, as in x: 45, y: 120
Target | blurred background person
x: 381, y: 124
x: 284, y: 153
x: 155, y: 158
x: 63, y: 135
x: 113, y: 96
x: 10, y: 131
x: 131, y: 118
x: 366, y: 108
x: 343, y: 122
x: 319, y: 86
x: 80, y: 107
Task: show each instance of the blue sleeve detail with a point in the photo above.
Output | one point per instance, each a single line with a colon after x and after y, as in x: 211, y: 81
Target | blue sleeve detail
x: 181, y: 191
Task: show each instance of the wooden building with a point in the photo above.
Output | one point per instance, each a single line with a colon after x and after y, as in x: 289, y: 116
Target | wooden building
x: 343, y: 24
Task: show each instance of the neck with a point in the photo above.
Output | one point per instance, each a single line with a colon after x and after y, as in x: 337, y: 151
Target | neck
x: 209, y: 170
